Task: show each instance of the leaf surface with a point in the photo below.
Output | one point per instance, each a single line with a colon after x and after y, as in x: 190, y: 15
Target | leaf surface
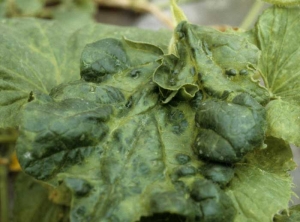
x: 124, y: 155
x: 284, y: 121
x: 283, y: 2
x: 261, y: 186
x: 277, y: 33
x: 290, y: 215
x: 220, y: 64
x: 38, y: 55
x: 39, y: 208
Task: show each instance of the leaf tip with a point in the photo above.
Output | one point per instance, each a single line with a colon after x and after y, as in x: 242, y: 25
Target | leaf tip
x: 177, y: 13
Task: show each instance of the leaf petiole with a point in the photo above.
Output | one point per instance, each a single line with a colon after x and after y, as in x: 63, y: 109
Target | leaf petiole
x: 3, y: 193
x: 252, y: 15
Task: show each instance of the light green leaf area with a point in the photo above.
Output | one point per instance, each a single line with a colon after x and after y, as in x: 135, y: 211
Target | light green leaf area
x: 2, y: 9
x: 261, y: 186
x: 283, y: 120
x: 38, y: 55
x: 278, y: 31
x: 284, y: 2
x: 221, y: 64
x: 26, y: 8
x: 31, y: 202
x: 73, y: 13
x: 62, y: 10
x: 290, y: 215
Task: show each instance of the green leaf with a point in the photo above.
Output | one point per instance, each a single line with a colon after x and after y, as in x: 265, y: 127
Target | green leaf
x: 283, y: 120
x: 38, y: 55
x: 31, y: 202
x: 31, y: 7
x: 178, y: 14
x: 124, y: 155
x: 221, y: 64
x: 284, y: 2
x: 229, y: 130
x: 261, y: 186
x: 290, y: 215
x: 92, y: 141
x: 2, y: 9
x: 277, y: 32
x: 66, y: 11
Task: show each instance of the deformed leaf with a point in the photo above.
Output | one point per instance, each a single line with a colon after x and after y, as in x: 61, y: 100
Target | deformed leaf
x: 229, y: 130
x: 110, y: 56
x: 220, y: 63
x: 97, y: 148
x: 123, y: 155
x: 37, y: 55
x: 283, y: 120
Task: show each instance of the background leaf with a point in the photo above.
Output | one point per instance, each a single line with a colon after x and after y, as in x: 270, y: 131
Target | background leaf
x: 37, y: 55
x: 261, y: 186
x: 290, y: 215
x: 278, y: 31
x: 284, y: 2
x: 31, y: 202
x: 283, y: 120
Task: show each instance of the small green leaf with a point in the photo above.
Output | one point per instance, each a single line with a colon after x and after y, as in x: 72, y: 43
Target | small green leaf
x: 283, y: 120
x: 278, y: 31
x: 290, y: 215
x: 261, y: 186
x: 284, y: 2
x: 178, y: 14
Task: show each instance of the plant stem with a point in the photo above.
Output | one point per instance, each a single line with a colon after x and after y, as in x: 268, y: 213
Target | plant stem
x: 3, y: 194
x: 143, y: 6
x: 253, y: 13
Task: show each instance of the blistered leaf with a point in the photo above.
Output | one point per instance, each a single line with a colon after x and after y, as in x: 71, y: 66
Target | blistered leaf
x: 227, y: 131
x: 220, y: 63
x: 38, y: 55
x: 284, y: 2
x: 31, y: 202
x: 283, y: 120
x: 110, y: 170
x: 124, y: 155
x: 113, y: 145
x: 261, y: 186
